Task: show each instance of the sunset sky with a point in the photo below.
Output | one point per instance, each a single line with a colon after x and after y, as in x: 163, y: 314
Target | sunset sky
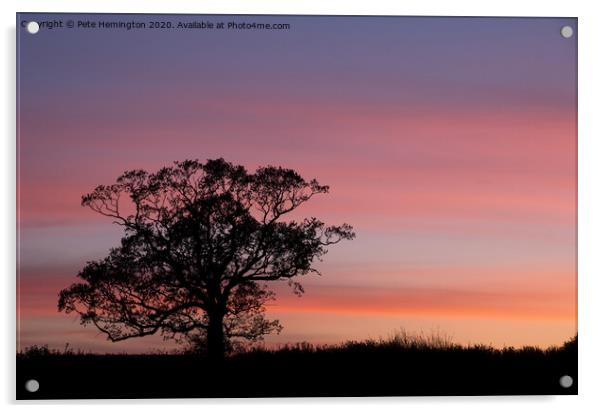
x: 448, y: 143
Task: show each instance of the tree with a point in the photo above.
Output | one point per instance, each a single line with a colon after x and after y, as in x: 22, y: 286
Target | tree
x: 200, y: 243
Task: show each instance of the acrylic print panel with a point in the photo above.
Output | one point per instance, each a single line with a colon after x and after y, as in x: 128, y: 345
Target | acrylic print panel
x: 269, y: 206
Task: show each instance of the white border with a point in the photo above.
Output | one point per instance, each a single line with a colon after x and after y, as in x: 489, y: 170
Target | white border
x: 590, y: 199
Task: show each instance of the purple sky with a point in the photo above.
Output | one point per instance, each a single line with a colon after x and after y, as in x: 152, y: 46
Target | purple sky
x: 449, y: 144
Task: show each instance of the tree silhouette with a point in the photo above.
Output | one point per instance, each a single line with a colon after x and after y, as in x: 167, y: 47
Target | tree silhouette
x: 200, y: 243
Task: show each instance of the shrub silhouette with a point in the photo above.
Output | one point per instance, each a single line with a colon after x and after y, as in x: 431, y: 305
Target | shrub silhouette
x: 403, y: 364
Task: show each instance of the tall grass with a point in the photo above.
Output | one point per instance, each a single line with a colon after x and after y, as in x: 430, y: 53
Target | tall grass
x: 399, y: 341
x: 435, y: 339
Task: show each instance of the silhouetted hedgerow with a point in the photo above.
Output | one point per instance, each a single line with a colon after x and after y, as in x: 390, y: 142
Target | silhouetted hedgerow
x: 401, y: 365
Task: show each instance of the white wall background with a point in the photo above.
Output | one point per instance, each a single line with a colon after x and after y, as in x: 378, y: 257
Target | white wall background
x: 590, y: 199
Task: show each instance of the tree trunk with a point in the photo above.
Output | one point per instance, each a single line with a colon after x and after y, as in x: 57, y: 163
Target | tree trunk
x: 216, y: 345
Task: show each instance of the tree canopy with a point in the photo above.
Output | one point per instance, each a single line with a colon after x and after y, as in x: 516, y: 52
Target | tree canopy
x: 201, y: 241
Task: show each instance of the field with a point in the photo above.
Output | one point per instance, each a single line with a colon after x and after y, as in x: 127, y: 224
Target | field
x: 403, y: 365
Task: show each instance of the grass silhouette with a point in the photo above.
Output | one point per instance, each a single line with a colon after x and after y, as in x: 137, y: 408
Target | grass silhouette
x: 403, y: 364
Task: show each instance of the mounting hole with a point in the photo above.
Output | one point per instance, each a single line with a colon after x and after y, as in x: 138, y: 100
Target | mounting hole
x: 33, y: 27
x: 566, y: 381
x: 566, y: 32
x: 32, y: 386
